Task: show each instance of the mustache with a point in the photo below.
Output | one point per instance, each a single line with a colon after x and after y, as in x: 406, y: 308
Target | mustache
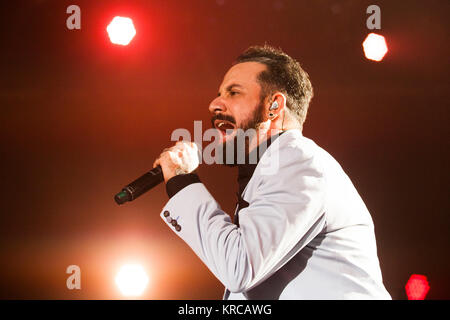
x: 219, y: 116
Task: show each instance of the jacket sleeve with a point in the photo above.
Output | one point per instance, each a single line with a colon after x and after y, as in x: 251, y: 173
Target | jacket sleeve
x: 285, y: 213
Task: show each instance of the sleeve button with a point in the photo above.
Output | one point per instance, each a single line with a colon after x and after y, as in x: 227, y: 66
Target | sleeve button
x: 166, y: 213
x: 178, y: 227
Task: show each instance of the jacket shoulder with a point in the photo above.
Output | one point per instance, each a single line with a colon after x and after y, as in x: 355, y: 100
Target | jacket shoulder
x: 290, y: 149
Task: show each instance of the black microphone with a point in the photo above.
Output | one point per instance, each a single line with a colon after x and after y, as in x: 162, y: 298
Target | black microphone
x: 140, y: 186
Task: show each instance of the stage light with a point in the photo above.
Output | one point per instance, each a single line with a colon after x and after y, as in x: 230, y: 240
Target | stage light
x: 121, y: 30
x: 132, y: 280
x: 375, y: 47
x: 417, y: 287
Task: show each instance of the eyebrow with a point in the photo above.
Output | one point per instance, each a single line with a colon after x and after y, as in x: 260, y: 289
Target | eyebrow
x: 231, y: 86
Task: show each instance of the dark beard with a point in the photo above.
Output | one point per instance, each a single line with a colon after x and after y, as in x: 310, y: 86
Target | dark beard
x: 238, y: 148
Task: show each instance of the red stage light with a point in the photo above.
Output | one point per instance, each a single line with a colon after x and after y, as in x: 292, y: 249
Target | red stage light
x: 121, y: 30
x: 417, y: 287
x: 375, y: 47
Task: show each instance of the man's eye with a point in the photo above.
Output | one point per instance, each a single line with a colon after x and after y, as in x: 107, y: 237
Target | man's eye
x: 232, y: 93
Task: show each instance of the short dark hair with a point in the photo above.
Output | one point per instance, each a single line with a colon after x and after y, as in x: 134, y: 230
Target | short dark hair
x: 283, y: 74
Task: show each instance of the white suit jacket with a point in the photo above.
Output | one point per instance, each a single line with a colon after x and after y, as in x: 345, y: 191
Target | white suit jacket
x: 306, y: 233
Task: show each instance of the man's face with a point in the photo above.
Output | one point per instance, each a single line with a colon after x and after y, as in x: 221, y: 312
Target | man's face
x: 238, y: 104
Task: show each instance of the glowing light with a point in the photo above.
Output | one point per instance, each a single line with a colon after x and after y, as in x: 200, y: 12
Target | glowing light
x: 375, y: 47
x: 121, y: 30
x: 132, y: 280
x: 417, y: 287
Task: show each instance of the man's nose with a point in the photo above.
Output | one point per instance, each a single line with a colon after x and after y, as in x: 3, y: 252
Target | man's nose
x: 217, y: 105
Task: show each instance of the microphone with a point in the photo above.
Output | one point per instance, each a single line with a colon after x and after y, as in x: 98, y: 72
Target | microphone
x: 140, y: 186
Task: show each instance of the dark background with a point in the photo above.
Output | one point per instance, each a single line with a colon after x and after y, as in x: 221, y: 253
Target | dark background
x: 81, y: 117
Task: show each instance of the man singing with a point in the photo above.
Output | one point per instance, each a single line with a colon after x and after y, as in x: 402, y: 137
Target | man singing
x: 301, y: 230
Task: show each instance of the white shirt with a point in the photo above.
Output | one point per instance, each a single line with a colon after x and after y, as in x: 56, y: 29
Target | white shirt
x: 306, y: 233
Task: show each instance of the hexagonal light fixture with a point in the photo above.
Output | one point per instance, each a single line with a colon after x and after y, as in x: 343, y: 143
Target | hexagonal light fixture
x: 132, y: 280
x: 121, y: 30
x: 375, y: 47
x: 417, y: 287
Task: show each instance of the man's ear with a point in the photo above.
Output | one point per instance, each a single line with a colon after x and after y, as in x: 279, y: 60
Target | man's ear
x: 277, y: 102
x: 274, y: 106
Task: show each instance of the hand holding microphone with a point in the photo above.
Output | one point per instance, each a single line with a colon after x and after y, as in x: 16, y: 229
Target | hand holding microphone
x: 180, y: 159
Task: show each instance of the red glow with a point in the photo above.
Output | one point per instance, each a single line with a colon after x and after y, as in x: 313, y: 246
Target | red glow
x: 375, y: 47
x: 121, y: 30
x: 417, y: 287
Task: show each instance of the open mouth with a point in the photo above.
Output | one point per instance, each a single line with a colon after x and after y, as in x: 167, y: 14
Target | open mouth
x: 225, y: 127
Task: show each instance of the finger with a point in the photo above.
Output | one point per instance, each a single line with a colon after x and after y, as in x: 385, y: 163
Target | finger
x: 172, y: 156
x: 194, y: 145
x: 181, y: 145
